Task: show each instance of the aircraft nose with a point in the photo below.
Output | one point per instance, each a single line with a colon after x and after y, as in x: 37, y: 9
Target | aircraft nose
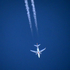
x: 39, y: 56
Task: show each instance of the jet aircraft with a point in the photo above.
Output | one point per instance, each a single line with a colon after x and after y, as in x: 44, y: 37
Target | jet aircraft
x: 38, y: 52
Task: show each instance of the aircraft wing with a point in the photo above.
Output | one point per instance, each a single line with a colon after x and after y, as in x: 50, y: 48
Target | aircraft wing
x: 42, y: 50
x: 33, y: 51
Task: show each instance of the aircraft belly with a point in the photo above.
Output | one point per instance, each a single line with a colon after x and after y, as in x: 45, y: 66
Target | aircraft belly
x: 39, y: 55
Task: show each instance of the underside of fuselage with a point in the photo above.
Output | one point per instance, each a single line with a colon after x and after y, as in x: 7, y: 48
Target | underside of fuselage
x: 38, y: 55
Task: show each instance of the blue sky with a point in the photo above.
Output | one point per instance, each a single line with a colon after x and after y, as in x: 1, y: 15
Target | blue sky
x: 16, y: 39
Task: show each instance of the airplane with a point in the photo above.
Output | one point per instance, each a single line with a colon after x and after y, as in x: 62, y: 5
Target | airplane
x: 38, y: 52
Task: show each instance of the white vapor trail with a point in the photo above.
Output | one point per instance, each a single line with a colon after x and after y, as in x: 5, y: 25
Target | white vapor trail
x: 34, y: 13
x: 28, y: 14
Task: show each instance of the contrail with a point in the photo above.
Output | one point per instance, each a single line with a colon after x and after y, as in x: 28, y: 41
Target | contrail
x: 34, y: 13
x: 28, y: 14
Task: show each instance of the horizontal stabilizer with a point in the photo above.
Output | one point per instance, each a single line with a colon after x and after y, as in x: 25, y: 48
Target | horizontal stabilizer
x: 37, y: 45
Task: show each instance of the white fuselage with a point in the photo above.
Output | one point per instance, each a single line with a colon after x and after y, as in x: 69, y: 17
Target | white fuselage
x: 38, y: 52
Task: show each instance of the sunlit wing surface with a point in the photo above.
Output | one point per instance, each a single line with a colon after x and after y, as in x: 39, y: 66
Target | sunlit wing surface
x: 33, y: 51
x: 42, y: 50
